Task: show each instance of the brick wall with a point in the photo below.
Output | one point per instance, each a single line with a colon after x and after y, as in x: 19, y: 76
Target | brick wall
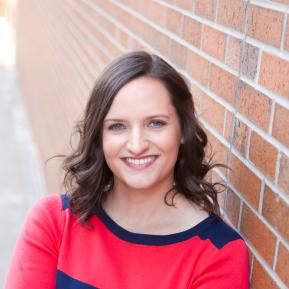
x: 235, y: 55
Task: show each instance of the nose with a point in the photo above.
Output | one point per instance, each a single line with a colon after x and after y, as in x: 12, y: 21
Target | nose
x: 137, y: 142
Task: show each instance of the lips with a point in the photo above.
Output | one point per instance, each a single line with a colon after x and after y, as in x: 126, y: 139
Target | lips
x: 140, y: 163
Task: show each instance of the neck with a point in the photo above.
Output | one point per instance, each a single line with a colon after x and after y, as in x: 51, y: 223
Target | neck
x: 140, y: 206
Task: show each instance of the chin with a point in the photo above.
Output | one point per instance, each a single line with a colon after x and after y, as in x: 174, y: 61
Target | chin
x: 140, y: 184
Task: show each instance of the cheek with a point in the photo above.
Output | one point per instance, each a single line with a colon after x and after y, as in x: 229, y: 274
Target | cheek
x: 168, y: 142
x: 111, y: 145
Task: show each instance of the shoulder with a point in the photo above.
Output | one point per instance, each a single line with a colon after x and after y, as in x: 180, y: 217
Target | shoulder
x: 224, y: 263
x: 50, y: 204
x: 43, y: 223
x: 48, y: 200
x: 226, y: 246
x: 220, y: 233
x: 46, y: 212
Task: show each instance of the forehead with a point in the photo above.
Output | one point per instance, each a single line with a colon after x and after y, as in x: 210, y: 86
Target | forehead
x: 140, y: 97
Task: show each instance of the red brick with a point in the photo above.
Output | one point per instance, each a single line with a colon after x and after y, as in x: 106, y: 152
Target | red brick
x: 96, y: 33
x: 250, y: 61
x: 192, y: 31
x: 283, y: 180
x: 123, y: 16
x: 215, y: 119
x: 178, y: 54
x: 162, y: 43
x: 198, y: 67
x: 141, y: 6
x: 281, y: 1
x: 231, y: 13
x: 185, y: 4
x: 286, y: 43
x: 220, y: 186
x: 95, y: 48
x: 222, y: 83
x: 250, y: 188
x: 233, y: 52
x: 208, y: 176
x: 214, y: 42
x: 232, y: 207
x: 133, y: 4
x: 240, y: 136
x: 275, y: 210
x: 274, y: 74
x: 228, y: 125
x: 136, y: 45
x: 263, y: 155
x: 145, y: 31
x: 265, y: 25
x: 198, y: 96
x: 122, y: 37
x: 216, y: 149
x: 254, y: 105
x: 156, y: 12
x: 157, y: 40
x: 251, y: 258
x: 174, y: 21
x: 206, y: 9
x: 258, y: 234
x: 261, y: 279
x: 281, y: 124
x: 283, y: 264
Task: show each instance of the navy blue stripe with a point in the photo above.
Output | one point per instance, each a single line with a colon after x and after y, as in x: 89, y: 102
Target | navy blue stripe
x: 147, y: 239
x: 212, y: 228
x: 220, y: 234
x: 64, y: 281
x: 65, y: 203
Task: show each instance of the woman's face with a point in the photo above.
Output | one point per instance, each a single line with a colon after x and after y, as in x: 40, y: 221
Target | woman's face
x: 141, y: 135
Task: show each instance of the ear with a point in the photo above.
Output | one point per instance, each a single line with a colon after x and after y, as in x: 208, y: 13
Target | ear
x: 182, y: 140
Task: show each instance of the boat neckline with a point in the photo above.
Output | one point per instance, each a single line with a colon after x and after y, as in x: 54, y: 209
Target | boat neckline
x: 152, y: 239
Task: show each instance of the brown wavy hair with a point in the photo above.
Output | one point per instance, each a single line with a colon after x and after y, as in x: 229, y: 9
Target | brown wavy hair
x: 88, y: 179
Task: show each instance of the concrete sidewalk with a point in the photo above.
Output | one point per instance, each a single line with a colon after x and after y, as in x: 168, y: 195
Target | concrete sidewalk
x: 20, y: 179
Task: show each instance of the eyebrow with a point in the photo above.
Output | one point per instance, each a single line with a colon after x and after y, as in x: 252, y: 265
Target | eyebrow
x: 149, y: 117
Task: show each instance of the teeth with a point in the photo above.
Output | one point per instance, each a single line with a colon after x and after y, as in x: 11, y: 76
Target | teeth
x: 141, y: 161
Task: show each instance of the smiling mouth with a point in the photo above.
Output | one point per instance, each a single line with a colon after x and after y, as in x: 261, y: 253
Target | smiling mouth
x: 140, y: 164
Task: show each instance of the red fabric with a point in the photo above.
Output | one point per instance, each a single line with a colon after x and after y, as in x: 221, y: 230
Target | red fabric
x: 52, y: 241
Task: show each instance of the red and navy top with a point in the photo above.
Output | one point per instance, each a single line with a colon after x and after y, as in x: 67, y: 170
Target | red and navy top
x: 55, y: 251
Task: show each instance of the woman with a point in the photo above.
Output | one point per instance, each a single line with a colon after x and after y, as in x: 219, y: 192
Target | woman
x: 138, y: 212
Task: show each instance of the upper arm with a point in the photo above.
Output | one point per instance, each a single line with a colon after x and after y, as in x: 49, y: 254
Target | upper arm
x: 228, y: 268
x: 35, y: 255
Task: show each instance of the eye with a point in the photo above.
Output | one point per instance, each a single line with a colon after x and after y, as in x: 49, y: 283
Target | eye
x: 116, y: 126
x: 157, y: 123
